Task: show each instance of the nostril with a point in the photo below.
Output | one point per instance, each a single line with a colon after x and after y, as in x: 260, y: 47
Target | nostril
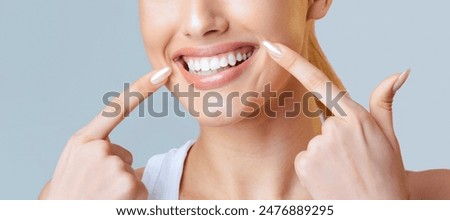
x: 210, y: 32
x: 207, y: 33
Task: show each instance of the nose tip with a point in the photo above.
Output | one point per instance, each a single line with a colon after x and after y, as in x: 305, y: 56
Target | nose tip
x: 202, y: 21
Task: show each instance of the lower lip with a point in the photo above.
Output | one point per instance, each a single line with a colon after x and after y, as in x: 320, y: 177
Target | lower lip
x: 219, y: 79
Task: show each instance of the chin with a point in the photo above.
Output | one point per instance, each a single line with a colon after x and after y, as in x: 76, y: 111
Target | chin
x: 221, y: 121
x: 230, y: 114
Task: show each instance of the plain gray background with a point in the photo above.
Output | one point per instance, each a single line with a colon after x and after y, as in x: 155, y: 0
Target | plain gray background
x: 58, y: 57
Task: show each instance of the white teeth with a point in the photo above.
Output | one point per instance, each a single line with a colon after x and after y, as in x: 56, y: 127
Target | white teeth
x: 223, y: 62
x: 197, y: 66
x: 204, y: 63
x: 239, y: 57
x: 215, y: 63
x: 211, y: 65
x: 231, y: 59
x: 191, y: 64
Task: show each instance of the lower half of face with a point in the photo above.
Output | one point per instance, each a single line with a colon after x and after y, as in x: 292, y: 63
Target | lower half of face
x: 221, y: 75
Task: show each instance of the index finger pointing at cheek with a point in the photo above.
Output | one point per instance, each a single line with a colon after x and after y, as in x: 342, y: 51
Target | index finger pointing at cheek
x: 311, y: 77
x: 102, y: 125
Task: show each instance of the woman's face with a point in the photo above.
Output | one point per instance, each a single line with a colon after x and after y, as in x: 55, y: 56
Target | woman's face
x: 214, y: 45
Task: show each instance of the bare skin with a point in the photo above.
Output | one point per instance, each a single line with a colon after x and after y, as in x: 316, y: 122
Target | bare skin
x: 262, y: 157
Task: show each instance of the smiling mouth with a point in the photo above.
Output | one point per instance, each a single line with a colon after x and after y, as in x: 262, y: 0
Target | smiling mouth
x: 210, y: 65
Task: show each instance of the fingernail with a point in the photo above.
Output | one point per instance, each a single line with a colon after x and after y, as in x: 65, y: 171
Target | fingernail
x: 401, y: 80
x: 160, y: 76
x: 273, y: 49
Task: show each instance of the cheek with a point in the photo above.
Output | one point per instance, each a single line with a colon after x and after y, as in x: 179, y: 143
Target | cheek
x: 157, y: 27
x: 279, y: 21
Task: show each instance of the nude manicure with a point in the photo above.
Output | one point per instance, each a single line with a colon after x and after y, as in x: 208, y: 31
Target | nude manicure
x: 401, y: 80
x: 160, y: 76
x: 273, y: 49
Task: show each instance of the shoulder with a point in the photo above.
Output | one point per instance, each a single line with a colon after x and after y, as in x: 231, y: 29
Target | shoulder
x: 429, y: 184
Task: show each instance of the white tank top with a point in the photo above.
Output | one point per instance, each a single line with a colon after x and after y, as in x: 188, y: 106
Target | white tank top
x: 162, y: 174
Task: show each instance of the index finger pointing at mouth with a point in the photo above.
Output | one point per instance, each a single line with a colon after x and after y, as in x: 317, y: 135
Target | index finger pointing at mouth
x: 310, y: 76
x: 102, y: 125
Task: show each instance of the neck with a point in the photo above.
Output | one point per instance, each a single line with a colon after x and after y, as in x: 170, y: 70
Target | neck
x: 252, y: 159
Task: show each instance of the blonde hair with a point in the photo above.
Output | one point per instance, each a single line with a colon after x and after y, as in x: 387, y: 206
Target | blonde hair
x: 317, y: 57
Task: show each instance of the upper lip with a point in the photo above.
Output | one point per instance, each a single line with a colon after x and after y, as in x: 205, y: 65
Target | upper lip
x: 210, y: 50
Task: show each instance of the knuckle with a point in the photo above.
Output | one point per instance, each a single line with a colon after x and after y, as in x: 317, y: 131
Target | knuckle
x: 331, y: 124
x: 381, y: 98
x: 373, y: 101
x: 95, y: 149
x: 357, y: 111
x: 361, y: 114
x: 129, y: 186
x: 382, y: 104
x: 302, y: 164
x: 129, y: 182
x: 314, y: 144
x: 289, y: 61
x: 360, y: 121
x: 76, y: 139
x: 314, y: 81
x: 115, y: 161
x: 80, y: 137
x: 98, y: 148
x: 318, y: 81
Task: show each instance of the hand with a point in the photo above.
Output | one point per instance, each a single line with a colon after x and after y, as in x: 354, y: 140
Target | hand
x: 91, y: 167
x: 357, y: 155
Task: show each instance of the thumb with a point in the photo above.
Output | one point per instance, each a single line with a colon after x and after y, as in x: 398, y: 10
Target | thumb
x: 381, y: 104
